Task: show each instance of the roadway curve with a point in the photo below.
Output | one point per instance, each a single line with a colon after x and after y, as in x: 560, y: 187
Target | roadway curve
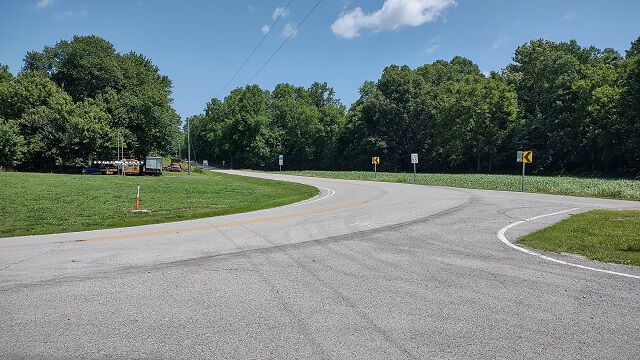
x: 364, y: 270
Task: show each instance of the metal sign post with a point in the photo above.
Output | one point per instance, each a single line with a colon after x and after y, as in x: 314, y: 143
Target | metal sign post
x: 522, y: 182
x: 524, y: 157
x: 375, y: 161
x: 414, y: 161
x: 280, y: 161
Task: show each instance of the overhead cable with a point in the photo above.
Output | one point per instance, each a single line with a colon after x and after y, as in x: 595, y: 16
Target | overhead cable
x: 256, y: 48
x: 285, y: 41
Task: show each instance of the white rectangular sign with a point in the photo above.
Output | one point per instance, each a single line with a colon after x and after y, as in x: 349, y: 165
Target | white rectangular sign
x: 414, y: 158
x: 280, y: 160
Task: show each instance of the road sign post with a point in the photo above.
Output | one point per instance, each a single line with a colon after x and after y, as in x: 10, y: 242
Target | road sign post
x: 524, y: 157
x: 414, y: 161
x: 375, y: 161
x: 280, y: 161
x: 522, y: 181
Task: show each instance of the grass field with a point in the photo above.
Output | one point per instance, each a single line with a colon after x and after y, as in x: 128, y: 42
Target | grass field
x: 604, y: 235
x: 34, y: 203
x: 559, y: 185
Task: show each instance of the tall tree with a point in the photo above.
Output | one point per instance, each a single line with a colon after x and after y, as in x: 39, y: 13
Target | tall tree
x: 544, y: 74
x: 630, y: 107
x: 137, y: 97
x: 475, y: 117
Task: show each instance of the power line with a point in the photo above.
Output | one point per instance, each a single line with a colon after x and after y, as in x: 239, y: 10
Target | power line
x: 285, y: 41
x: 256, y: 48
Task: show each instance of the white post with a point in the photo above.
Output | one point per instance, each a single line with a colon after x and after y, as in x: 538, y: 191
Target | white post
x: 138, y: 197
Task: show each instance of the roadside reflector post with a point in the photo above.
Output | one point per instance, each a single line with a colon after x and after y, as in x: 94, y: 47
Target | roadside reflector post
x: 138, y: 197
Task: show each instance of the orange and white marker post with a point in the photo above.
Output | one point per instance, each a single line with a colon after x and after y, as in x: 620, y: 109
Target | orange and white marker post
x: 138, y: 198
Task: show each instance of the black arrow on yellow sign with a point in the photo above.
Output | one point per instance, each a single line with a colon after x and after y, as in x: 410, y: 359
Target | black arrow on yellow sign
x: 527, y: 156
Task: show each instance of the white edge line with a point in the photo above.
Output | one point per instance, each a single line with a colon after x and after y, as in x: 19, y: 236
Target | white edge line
x: 504, y: 239
x: 329, y: 194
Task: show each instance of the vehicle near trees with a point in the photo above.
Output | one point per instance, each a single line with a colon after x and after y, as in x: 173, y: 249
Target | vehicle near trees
x: 175, y: 167
x: 153, y: 165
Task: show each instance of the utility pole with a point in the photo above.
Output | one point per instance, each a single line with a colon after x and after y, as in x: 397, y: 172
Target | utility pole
x: 189, y: 146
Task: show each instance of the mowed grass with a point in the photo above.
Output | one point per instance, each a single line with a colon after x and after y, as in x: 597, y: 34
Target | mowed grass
x: 604, y: 235
x: 559, y: 185
x: 34, y: 203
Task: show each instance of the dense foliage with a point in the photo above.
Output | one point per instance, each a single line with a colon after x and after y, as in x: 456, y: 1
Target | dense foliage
x: 71, y: 102
x: 576, y: 108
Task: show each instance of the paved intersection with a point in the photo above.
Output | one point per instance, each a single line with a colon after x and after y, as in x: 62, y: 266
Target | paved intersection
x: 365, y: 270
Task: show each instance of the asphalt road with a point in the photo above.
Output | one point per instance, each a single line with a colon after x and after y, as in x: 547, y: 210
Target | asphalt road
x: 365, y: 270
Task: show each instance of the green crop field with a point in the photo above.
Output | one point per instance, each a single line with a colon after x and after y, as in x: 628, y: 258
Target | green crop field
x: 34, y: 203
x: 605, y: 235
x: 559, y: 185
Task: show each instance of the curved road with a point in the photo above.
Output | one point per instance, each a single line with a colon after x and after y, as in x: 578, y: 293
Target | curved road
x: 365, y: 270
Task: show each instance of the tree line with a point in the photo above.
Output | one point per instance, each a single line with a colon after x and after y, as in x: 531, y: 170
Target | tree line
x: 577, y: 108
x: 77, y: 101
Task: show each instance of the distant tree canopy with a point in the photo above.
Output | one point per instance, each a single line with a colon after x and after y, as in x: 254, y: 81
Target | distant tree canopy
x: 576, y: 108
x: 71, y: 101
x: 252, y: 126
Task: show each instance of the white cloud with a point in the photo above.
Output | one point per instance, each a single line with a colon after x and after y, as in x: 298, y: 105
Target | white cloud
x: 64, y: 15
x: 392, y: 15
x: 280, y: 11
x: 69, y: 14
x: 502, y: 41
x: 431, y: 49
x: 289, y: 30
x: 570, y: 16
x: 435, y: 44
x: 41, y: 4
x: 265, y: 29
x: 251, y: 8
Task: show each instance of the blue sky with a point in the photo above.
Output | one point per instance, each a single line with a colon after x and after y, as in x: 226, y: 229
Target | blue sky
x: 201, y: 44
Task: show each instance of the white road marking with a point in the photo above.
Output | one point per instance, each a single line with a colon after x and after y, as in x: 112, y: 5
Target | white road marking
x: 503, y: 238
x: 329, y: 194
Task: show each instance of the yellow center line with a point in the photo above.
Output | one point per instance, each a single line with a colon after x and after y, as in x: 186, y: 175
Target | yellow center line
x: 217, y: 226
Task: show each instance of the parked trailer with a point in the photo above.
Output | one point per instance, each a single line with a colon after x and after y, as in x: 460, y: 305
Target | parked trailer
x: 153, y: 165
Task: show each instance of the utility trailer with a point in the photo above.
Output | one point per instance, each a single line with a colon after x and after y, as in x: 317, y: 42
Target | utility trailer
x: 153, y: 165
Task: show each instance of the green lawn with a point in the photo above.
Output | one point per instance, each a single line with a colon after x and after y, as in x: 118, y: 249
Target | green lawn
x: 560, y: 185
x: 34, y: 203
x: 605, y: 235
